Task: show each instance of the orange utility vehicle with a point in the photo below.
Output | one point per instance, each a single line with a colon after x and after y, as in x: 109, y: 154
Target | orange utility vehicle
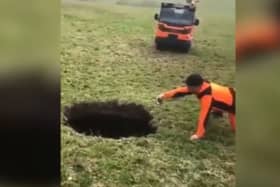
x: 175, y: 26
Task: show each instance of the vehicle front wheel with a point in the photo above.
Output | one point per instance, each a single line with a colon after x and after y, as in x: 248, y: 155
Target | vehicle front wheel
x: 159, y: 46
x: 187, y: 46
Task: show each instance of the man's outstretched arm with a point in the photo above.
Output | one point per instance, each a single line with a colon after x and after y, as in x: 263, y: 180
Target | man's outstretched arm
x: 178, y: 92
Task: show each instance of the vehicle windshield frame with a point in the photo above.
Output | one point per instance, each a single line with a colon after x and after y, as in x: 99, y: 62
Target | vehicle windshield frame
x: 167, y: 15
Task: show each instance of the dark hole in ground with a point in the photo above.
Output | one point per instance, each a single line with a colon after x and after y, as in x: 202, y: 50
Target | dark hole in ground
x: 109, y: 119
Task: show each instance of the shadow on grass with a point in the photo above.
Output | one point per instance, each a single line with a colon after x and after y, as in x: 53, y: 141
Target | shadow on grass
x: 219, y: 130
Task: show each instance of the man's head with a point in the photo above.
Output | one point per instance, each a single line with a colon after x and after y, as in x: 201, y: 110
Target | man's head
x: 194, y: 82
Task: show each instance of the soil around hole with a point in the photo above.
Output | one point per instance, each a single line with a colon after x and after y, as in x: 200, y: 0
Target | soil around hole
x: 109, y: 119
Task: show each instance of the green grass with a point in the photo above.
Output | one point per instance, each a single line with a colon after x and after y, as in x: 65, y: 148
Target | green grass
x: 107, y: 52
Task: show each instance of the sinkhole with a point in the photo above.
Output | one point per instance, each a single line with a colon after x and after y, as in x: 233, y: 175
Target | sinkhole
x: 110, y: 119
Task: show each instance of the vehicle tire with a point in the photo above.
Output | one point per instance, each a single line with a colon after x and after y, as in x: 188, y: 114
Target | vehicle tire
x: 159, y: 46
x: 187, y: 46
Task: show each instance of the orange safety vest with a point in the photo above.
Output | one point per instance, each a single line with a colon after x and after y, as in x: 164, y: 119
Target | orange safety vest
x: 212, y: 97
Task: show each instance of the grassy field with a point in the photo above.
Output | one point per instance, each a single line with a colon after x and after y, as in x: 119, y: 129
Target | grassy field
x: 107, y: 52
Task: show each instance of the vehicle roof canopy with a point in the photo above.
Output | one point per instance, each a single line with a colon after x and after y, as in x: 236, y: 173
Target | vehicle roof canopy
x: 178, y: 14
x: 173, y: 5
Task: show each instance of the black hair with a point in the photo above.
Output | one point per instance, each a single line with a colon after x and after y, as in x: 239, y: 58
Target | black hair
x: 194, y: 80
